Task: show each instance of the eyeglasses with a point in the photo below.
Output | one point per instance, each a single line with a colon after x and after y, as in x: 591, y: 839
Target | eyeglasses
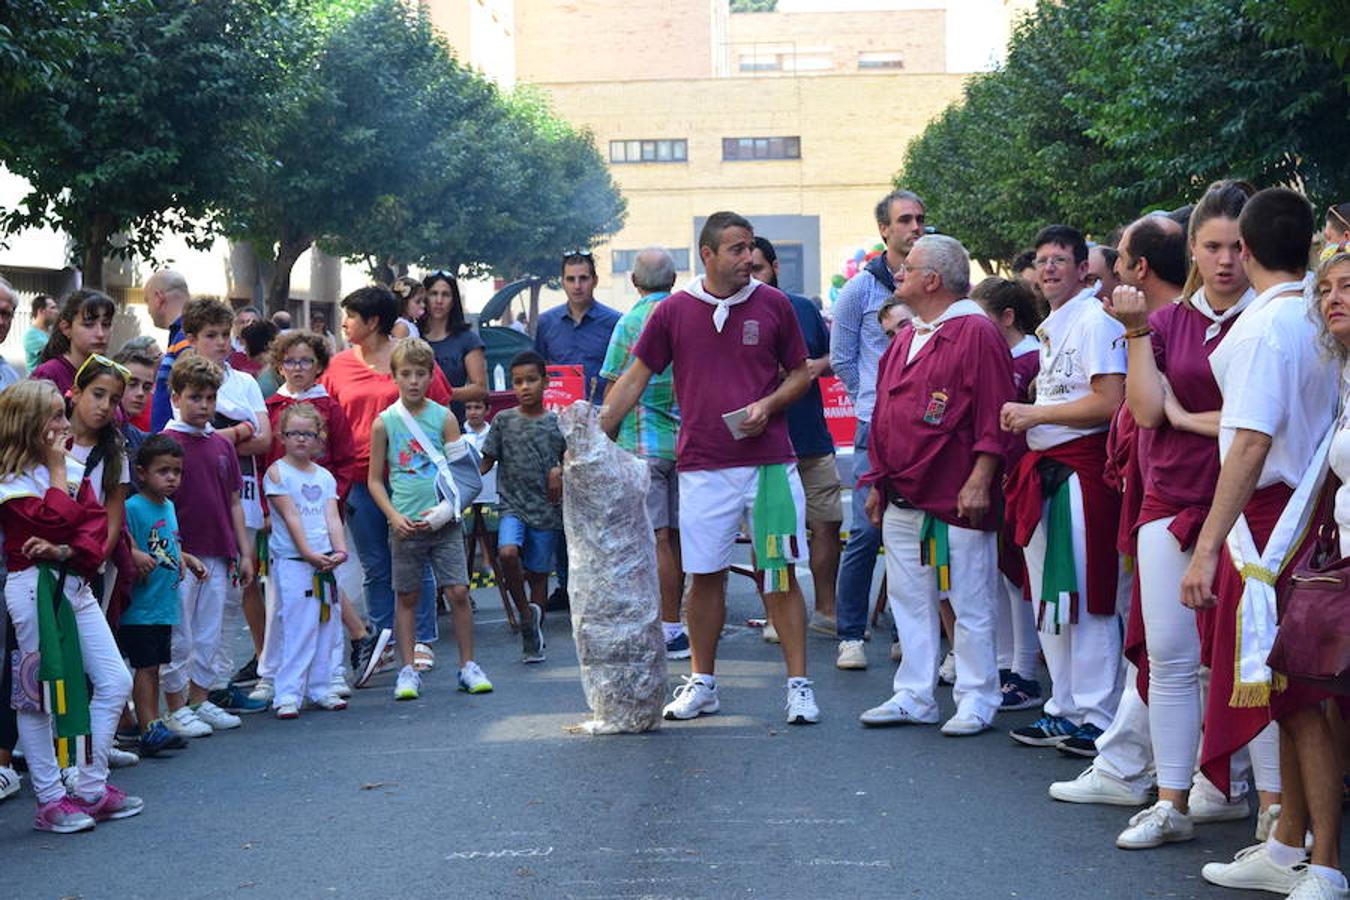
x: 1058, y: 261
x: 106, y: 363
x: 440, y: 273
x: 306, y: 363
x: 301, y: 435
x: 906, y: 268
x: 576, y: 254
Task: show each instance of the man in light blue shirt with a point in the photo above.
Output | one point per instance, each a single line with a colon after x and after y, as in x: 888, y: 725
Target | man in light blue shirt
x: 856, y: 344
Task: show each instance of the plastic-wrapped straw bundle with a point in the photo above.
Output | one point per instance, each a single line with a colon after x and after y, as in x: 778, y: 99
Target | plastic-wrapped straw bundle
x: 613, y: 587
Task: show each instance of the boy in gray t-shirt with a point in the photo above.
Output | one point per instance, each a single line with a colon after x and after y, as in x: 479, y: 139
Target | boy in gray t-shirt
x: 529, y: 446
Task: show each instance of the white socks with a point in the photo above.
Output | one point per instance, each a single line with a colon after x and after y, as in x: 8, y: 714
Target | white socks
x: 672, y: 630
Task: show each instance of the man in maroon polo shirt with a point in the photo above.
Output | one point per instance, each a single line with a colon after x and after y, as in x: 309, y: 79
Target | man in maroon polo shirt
x: 936, y: 449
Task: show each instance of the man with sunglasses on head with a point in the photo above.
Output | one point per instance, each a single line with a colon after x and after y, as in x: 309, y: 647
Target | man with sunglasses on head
x: 856, y: 344
x: 578, y: 332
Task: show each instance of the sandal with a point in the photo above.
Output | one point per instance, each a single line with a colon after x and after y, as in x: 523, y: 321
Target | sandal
x: 424, y: 659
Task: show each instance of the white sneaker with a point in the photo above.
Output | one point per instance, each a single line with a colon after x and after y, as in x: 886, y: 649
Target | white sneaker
x: 1208, y: 804
x: 473, y: 680
x: 1313, y: 887
x: 217, y: 718
x: 288, y: 711
x: 185, y: 723
x: 947, y: 671
x: 263, y: 691
x: 851, y: 656
x: 892, y: 713
x: 692, y: 699
x: 801, y: 704
x: 770, y: 633
x: 1093, y: 787
x: 409, y: 684
x: 1265, y: 821
x: 331, y: 702
x: 1162, y: 823
x: 1252, y: 870
x: 121, y: 759
x: 962, y: 725
x: 10, y: 782
x: 338, y: 685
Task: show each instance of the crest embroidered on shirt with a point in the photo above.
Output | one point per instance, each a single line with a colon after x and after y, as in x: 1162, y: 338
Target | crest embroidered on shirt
x: 936, y: 408
x: 750, y: 333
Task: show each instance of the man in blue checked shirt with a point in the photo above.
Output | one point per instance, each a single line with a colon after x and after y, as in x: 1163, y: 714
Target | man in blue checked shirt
x: 856, y: 345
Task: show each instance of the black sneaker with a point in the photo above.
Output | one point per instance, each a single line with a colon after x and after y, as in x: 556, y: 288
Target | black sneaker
x: 247, y: 674
x: 558, y: 599
x: 234, y: 699
x: 1082, y: 742
x: 372, y: 651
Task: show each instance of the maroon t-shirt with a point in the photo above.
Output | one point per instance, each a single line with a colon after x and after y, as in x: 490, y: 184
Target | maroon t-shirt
x: 936, y: 412
x: 719, y: 372
x: 1183, y: 467
x: 210, y: 476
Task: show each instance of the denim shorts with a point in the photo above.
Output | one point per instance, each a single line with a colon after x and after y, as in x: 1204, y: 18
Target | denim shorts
x: 536, y: 544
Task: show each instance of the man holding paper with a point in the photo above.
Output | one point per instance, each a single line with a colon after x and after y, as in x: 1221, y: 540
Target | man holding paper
x: 727, y: 338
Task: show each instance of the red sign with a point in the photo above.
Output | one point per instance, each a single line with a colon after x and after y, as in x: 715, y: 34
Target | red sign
x: 839, y: 415
x: 565, y: 385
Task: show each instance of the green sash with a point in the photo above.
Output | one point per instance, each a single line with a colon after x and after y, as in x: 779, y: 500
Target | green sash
x: 775, y: 519
x: 935, y: 550
x: 65, y: 692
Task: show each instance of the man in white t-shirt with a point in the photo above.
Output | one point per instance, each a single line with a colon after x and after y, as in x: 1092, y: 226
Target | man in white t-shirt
x: 1280, y: 396
x: 1058, y: 501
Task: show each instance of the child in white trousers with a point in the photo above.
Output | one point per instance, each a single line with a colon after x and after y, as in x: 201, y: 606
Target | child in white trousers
x: 306, y: 547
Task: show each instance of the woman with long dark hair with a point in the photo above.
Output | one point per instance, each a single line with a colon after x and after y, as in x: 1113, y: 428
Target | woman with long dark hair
x: 458, y: 348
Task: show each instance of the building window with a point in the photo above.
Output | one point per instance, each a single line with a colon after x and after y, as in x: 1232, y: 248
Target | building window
x: 886, y: 59
x: 622, y: 260
x: 675, y: 150
x: 736, y: 149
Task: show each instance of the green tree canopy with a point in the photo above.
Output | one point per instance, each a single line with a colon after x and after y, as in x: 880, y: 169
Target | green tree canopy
x: 1107, y: 108
x: 134, y: 130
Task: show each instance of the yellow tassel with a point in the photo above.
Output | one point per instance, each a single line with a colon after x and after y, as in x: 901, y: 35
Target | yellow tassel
x: 60, y: 686
x: 1249, y: 696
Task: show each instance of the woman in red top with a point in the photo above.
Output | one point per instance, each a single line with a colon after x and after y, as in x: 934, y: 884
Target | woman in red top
x: 359, y: 379
x: 1172, y: 392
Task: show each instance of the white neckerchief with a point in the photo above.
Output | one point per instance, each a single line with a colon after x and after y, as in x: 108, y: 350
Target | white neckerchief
x: 1201, y: 304
x: 312, y: 392
x: 177, y: 424
x: 956, y: 310
x: 695, y: 288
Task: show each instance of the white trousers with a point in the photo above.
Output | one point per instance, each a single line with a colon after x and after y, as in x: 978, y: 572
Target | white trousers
x: 1124, y: 751
x: 1173, y: 655
x: 105, y: 668
x: 1017, y: 642
x: 1084, y: 658
x: 197, y: 637
x: 305, y: 670
x: 270, y: 657
x: 913, y: 595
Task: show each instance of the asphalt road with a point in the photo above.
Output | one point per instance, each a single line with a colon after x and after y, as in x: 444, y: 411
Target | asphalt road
x: 491, y: 796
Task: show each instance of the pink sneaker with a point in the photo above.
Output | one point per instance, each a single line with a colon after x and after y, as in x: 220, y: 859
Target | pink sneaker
x: 114, y: 804
x: 62, y: 816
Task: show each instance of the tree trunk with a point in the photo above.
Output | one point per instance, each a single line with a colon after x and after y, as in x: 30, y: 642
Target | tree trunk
x: 279, y: 286
x: 96, y: 235
x: 535, y: 288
